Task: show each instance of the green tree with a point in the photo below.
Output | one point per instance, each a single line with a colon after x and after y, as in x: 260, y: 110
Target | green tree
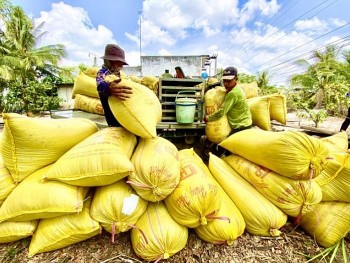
x: 263, y: 83
x: 322, y: 85
x: 21, y: 61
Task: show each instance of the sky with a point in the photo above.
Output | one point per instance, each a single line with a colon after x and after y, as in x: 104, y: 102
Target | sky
x: 253, y: 35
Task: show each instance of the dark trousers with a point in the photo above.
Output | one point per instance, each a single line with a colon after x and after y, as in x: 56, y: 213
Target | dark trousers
x: 216, y: 148
x: 346, y: 122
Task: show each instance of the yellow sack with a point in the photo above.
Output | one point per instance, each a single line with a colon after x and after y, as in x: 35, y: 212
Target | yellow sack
x: 151, y: 82
x: 6, y: 182
x: 226, y: 227
x: 196, y: 199
x: 88, y: 104
x: 62, y: 231
x: 32, y: 143
x: 260, y: 110
x: 157, y: 169
x: 289, y: 153
x: 101, y: 159
x: 135, y: 79
x: 261, y: 216
x: 334, y: 180
x: 117, y: 207
x: 278, y: 107
x: 140, y: 113
x: 216, y: 131
x: 13, y: 231
x: 33, y: 199
x: 85, y: 85
x: 250, y: 89
x: 293, y: 197
x: 337, y: 143
x: 157, y: 236
x: 92, y: 71
x: 328, y: 223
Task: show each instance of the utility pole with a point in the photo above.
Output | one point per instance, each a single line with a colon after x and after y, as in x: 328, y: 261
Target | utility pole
x: 140, y: 13
x: 215, y: 57
x: 95, y: 59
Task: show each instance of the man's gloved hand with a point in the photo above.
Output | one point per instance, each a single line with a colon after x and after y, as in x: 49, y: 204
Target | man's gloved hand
x: 205, y: 119
x: 121, y: 92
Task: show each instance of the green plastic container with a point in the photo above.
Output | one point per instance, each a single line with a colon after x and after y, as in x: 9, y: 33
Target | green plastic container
x: 185, y: 108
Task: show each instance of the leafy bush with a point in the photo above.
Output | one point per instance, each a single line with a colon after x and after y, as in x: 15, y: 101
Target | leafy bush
x: 35, y: 97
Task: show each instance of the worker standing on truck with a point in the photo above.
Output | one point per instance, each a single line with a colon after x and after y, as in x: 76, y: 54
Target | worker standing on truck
x: 235, y: 106
x: 113, y: 62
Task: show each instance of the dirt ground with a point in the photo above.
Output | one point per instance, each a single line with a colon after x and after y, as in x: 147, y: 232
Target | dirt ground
x: 293, y: 246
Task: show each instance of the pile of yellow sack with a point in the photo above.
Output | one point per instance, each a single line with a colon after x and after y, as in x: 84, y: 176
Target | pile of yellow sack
x: 139, y: 118
x: 85, y: 93
x: 264, y: 109
x: 65, y: 181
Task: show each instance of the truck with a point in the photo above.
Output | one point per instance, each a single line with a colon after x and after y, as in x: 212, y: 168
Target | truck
x: 170, y: 92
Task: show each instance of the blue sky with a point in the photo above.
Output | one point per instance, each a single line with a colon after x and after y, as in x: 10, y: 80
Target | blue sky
x: 253, y: 35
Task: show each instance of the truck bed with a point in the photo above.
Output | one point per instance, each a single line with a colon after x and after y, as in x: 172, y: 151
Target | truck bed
x: 169, y: 128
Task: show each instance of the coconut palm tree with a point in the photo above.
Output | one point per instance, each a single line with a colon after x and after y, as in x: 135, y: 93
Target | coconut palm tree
x: 21, y: 60
x: 322, y: 84
x: 19, y: 49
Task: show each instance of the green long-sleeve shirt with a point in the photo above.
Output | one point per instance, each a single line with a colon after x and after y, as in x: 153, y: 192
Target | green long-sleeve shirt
x: 236, y: 108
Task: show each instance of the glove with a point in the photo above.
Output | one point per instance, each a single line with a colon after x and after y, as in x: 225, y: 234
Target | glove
x: 205, y: 119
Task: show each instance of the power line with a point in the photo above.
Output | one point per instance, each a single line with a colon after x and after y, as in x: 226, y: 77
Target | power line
x: 247, y: 44
x: 255, y: 54
x: 265, y: 38
x: 305, y: 44
x: 342, y: 40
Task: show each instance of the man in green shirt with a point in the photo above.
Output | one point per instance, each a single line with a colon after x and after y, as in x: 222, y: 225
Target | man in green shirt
x: 235, y: 105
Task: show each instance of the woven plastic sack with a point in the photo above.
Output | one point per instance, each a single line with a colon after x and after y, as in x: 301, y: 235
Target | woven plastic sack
x: 278, y: 107
x: 6, y: 182
x: 117, y: 207
x: 228, y: 225
x: 33, y: 199
x: 62, y: 231
x: 157, y: 169
x: 196, y: 199
x: 32, y: 143
x: 328, y: 223
x: 261, y: 216
x: 289, y: 153
x: 85, y: 85
x: 250, y: 89
x: 140, y: 113
x: 216, y: 131
x: 88, y: 104
x: 337, y: 143
x: 13, y: 231
x: 156, y: 235
x: 334, y: 179
x: 101, y: 159
x: 134, y: 78
x: 260, y: 110
x: 91, y: 71
x: 150, y: 82
x: 293, y: 197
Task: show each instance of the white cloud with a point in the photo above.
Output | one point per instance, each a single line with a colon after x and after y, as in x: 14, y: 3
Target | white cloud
x: 337, y: 22
x: 253, y: 8
x: 71, y: 26
x: 240, y: 37
x: 312, y: 25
